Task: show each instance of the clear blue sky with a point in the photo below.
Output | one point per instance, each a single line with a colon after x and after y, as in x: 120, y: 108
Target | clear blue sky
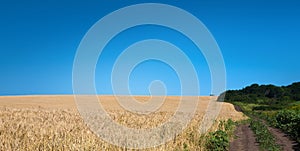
x: 259, y: 41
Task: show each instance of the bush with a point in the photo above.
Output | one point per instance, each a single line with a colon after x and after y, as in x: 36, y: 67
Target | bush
x: 219, y: 140
x: 289, y: 121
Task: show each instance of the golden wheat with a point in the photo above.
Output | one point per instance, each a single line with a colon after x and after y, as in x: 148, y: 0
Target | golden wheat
x: 63, y: 129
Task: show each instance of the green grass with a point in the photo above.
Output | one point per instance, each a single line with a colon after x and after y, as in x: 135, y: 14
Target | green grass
x: 220, y: 139
x: 263, y: 136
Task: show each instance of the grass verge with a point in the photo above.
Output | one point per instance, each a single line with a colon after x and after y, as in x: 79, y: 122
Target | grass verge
x: 263, y: 136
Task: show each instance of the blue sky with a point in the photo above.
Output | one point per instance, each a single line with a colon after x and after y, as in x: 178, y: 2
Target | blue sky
x: 259, y: 41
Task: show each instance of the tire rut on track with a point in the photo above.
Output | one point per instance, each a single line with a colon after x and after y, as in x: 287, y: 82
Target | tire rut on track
x: 283, y: 140
x: 245, y: 139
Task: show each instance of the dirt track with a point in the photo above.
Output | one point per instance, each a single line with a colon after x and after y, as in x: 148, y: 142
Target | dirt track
x: 283, y: 140
x: 245, y: 140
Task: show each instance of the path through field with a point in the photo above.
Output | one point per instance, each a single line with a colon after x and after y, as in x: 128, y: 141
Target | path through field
x: 245, y: 139
x: 283, y: 140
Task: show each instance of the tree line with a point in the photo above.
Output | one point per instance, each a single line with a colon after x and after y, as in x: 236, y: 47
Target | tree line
x: 264, y: 94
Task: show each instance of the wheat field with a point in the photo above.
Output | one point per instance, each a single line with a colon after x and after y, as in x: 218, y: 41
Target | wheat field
x: 53, y: 123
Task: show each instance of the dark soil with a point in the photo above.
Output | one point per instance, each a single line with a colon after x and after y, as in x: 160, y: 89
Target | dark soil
x: 283, y: 140
x: 237, y: 108
x: 245, y: 139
